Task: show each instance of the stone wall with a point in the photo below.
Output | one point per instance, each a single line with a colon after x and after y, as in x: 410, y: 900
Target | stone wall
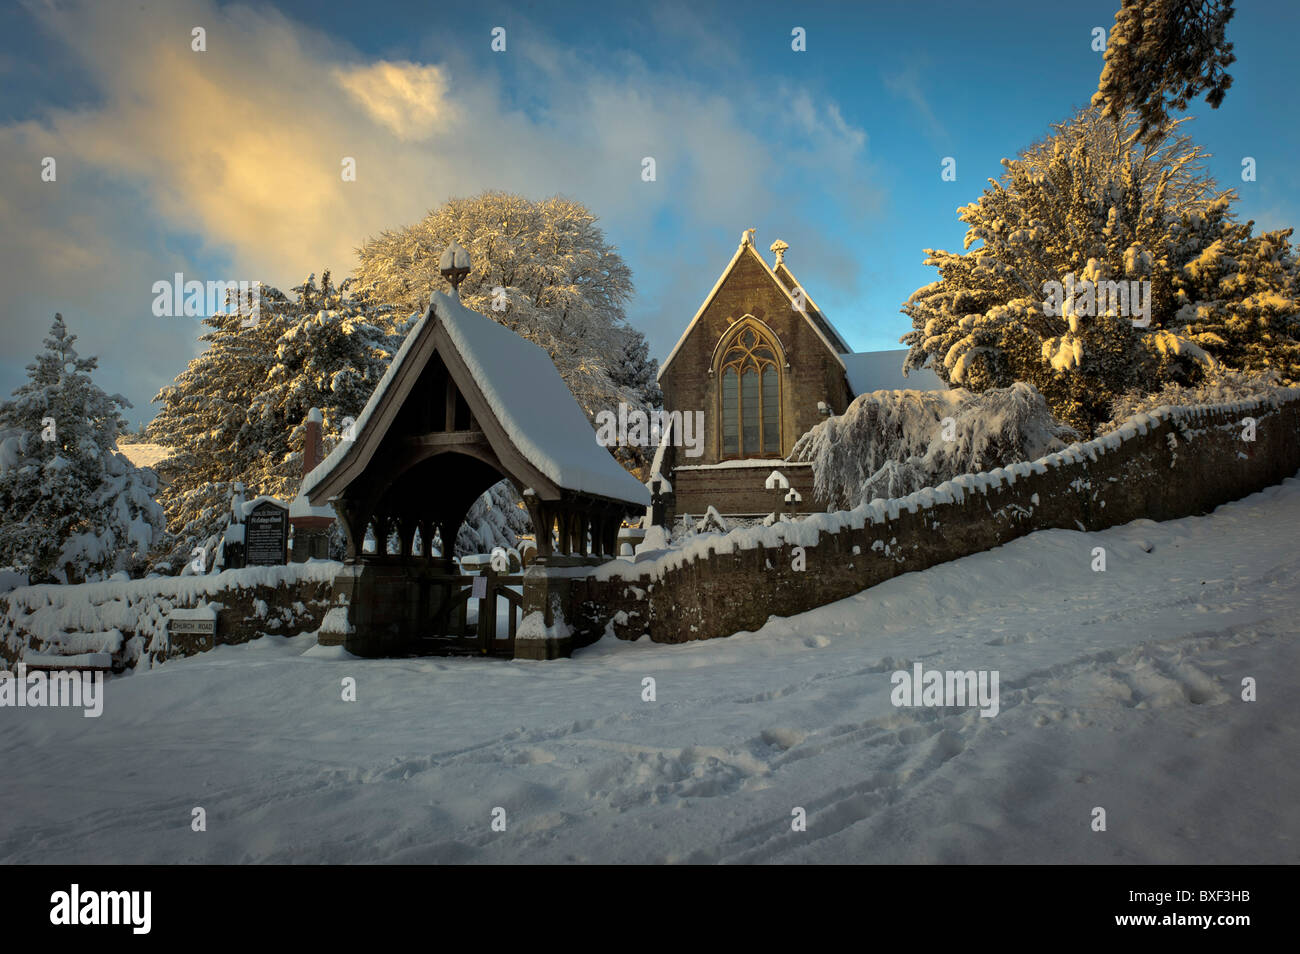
x: 130, y: 616
x: 1174, y: 462
x: 1171, y: 463
x: 250, y: 612
x: 739, y: 490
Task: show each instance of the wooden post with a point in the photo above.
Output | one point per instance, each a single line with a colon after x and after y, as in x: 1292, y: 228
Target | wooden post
x: 487, y: 613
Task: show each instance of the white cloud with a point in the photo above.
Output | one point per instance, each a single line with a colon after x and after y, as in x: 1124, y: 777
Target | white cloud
x: 410, y: 99
x: 234, y: 156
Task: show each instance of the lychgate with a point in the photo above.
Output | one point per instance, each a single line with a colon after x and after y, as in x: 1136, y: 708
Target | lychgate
x: 465, y: 403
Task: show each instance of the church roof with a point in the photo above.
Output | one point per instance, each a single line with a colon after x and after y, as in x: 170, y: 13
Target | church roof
x: 529, y: 401
x: 811, y: 311
x: 825, y: 330
x: 883, y: 371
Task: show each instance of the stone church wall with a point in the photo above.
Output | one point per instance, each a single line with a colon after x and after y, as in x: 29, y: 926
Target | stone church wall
x: 814, y: 373
x: 1171, y: 463
x: 740, y: 490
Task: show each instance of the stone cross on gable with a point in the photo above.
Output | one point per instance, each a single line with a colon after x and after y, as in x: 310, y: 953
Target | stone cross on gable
x: 779, y: 248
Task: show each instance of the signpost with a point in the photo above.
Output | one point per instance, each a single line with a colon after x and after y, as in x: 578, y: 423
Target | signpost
x: 193, y: 630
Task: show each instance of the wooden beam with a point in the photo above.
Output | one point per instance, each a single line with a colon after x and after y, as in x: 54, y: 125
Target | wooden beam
x: 445, y: 439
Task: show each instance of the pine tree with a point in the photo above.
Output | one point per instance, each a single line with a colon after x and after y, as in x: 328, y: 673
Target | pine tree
x: 1161, y: 55
x: 497, y: 519
x: 74, y: 508
x: 237, y: 413
x: 542, y: 269
x: 1092, y: 202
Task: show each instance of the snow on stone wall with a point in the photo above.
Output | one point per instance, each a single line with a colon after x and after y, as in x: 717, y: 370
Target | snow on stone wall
x: 128, y: 618
x: 1166, y: 463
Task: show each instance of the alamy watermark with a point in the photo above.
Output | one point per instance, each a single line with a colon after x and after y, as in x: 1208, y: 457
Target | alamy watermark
x: 1087, y: 298
x: 937, y: 687
x: 40, y: 689
x: 633, y: 427
x: 195, y: 299
x: 77, y: 907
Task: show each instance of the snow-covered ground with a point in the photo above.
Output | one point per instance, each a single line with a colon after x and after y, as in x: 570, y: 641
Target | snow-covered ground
x: 1119, y: 690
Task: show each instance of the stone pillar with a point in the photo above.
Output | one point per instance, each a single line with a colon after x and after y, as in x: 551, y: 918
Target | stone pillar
x: 311, y: 525
x: 544, y: 632
x: 377, y: 609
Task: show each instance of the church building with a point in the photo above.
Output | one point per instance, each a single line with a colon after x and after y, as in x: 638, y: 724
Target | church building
x: 764, y: 364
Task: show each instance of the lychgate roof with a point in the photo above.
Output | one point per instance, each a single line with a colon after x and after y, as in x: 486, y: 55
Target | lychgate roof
x: 532, y: 416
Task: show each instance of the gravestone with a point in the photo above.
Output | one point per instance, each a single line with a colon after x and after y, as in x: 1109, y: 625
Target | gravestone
x: 266, y: 535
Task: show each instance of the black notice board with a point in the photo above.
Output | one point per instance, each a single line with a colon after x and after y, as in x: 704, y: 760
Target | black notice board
x: 266, y: 535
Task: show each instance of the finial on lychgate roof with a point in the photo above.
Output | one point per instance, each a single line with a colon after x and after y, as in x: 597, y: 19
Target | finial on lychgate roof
x: 454, y: 265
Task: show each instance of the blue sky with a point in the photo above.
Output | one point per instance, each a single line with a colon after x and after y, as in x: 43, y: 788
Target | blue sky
x: 224, y: 164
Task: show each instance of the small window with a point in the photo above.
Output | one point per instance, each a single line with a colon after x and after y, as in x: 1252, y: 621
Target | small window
x: 730, y: 411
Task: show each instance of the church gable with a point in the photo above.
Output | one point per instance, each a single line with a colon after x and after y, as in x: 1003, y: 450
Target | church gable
x: 748, y: 286
x: 757, y: 366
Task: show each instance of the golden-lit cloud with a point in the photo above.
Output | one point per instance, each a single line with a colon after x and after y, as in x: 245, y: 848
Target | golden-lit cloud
x: 408, y: 98
x: 234, y: 155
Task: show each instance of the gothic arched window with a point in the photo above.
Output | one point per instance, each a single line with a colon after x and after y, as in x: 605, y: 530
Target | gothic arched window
x: 750, y: 395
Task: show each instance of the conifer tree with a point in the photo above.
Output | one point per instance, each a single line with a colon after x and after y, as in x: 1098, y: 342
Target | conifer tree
x: 1161, y: 55
x: 237, y: 413
x: 74, y: 508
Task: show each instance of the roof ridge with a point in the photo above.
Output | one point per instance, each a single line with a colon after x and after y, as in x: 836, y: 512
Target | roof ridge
x: 747, y: 244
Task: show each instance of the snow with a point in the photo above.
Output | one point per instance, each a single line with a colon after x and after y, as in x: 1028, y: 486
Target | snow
x: 453, y: 256
x: 533, y: 626
x: 883, y: 371
x: 336, y: 621
x: 11, y: 578
x: 301, y: 507
x: 531, y: 401
x: 87, y: 611
x: 1119, y: 689
x: 248, y: 506
x: 80, y: 661
x: 891, y: 443
x: 206, y: 613
x: 747, y: 462
x: 534, y: 405
x: 144, y: 455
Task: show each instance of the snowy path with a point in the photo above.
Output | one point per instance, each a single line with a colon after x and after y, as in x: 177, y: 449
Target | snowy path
x: 1118, y: 689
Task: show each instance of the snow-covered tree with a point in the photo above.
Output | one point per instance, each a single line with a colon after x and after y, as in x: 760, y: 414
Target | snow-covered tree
x: 1219, y: 386
x: 74, y: 508
x: 1161, y: 55
x: 1242, y: 301
x: 544, y: 270
x: 237, y: 413
x: 497, y: 519
x: 1090, y: 204
x: 891, y: 443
